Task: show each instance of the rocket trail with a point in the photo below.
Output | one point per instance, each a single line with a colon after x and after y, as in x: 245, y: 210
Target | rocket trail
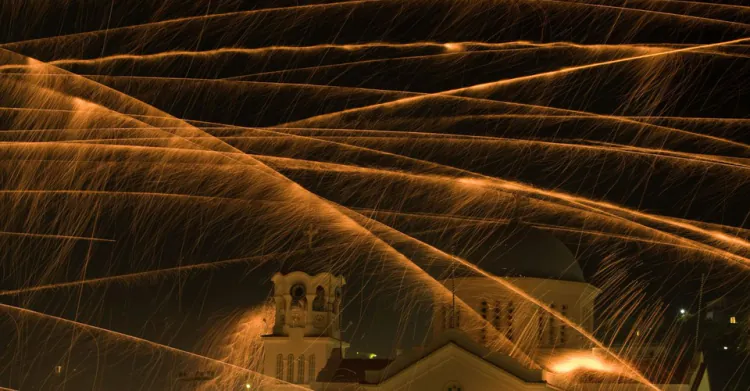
x: 141, y: 341
x: 297, y: 49
x: 592, y: 205
x: 128, y: 278
x: 694, y: 3
x: 452, y: 48
x: 52, y: 236
x: 597, y: 205
x: 665, y: 154
x: 495, y: 221
x: 654, y: 12
x: 507, y: 285
x: 610, y: 148
x: 491, y: 85
x: 409, y: 94
x: 574, y: 113
x: 678, y: 240
x: 161, y: 24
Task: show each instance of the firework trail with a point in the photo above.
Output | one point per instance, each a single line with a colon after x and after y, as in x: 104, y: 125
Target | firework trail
x: 180, y: 144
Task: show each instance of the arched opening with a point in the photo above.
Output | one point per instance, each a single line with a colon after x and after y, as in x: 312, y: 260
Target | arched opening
x: 311, y: 368
x: 301, y: 369
x: 290, y: 369
x: 319, y: 303
x: 280, y: 366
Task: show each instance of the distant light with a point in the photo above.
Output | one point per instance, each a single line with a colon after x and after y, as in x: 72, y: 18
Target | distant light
x: 247, y: 385
x: 682, y: 311
x: 733, y: 320
x: 372, y: 355
x: 637, y: 333
x: 726, y: 348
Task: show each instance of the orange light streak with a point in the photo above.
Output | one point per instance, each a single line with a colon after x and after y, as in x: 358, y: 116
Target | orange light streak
x: 491, y: 85
x: 451, y: 47
x: 156, y: 273
x: 163, y: 23
x: 654, y: 12
x: 141, y: 341
x: 510, y: 287
x: 53, y: 236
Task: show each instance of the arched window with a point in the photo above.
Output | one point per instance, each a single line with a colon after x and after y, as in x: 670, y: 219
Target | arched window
x: 311, y: 368
x: 540, y: 327
x: 496, y: 318
x: 509, y: 331
x: 483, y: 332
x: 337, y: 300
x: 551, y: 327
x: 298, y: 293
x: 301, y: 369
x: 280, y: 366
x: 319, y: 303
x: 290, y: 368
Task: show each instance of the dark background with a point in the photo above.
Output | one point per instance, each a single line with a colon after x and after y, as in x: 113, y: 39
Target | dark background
x: 182, y: 309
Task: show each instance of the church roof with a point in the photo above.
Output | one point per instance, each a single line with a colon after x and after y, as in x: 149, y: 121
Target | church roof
x: 460, y: 339
x: 376, y: 371
x: 514, y: 250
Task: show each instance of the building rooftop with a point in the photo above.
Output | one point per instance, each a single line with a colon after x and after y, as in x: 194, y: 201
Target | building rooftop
x: 514, y: 250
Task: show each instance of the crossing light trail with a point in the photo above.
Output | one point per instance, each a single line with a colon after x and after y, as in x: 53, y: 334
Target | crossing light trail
x: 509, y: 286
x: 484, y: 87
x: 177, y: 21
x: 355, y: 137
x: 570, y: 114
x: 143, y: 342
x: 53, y: 236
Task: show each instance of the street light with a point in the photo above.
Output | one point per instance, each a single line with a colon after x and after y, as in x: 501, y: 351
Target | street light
x: 682, y: 311
x: 247, y: 385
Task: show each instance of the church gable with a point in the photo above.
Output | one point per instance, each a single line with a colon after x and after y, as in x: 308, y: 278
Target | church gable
x: 451, y: 368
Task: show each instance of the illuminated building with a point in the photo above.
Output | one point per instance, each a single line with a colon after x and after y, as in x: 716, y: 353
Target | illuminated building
x: 307, y: 327
x: 463, y: 353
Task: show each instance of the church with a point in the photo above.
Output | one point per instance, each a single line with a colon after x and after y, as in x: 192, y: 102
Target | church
x: 305, y: 345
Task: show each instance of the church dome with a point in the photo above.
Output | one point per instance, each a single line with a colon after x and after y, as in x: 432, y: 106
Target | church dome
x: 515, y: 250
x: 525, y: 251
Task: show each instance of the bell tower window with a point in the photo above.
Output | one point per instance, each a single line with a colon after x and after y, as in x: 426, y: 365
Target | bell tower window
x: 319, y: 303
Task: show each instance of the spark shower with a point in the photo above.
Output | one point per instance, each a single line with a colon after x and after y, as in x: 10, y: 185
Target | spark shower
x: 160, y: 161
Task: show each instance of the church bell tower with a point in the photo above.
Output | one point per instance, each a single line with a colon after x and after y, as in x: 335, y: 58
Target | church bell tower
x: 306, y: 328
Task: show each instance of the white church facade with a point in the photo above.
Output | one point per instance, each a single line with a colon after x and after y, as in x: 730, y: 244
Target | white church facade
x: 305, y: 347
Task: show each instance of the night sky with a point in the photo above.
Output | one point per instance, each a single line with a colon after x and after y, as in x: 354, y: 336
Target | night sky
x: 679, y: 104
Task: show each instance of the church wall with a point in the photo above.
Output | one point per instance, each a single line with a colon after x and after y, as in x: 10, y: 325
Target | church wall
x: 516, y: 318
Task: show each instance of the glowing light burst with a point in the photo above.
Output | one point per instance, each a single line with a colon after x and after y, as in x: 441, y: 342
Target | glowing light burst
x: 573, y: 363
